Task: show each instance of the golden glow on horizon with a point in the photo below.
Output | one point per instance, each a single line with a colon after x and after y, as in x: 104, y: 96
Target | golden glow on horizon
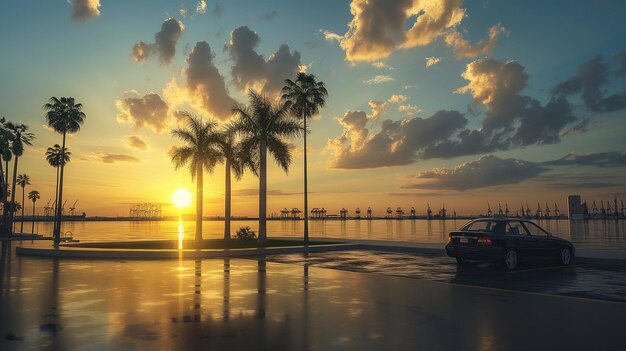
x: 181, y: 198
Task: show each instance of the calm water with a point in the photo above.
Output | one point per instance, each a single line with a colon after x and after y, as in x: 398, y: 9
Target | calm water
x: 597, y: 234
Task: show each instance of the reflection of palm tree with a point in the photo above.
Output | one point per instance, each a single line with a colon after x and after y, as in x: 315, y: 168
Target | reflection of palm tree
x: 23, y: 180
x: 263, y: 126
x: 199, y: 152
x: 235, y: 160
x: 33, y: 196
x: 226, y: 307
x: 55, y: 157
x: 306, y: 97
x: 21, y: 137
x: 64, y: 115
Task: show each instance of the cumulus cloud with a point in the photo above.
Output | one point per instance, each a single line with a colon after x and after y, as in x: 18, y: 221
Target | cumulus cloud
x: 330, y: 36
x: 201, y: 6
x: 497, y: 85
x: 83, y: 10
x: 381, y: 107
x: 205, y: 86
x: 397, y: 143
x: 431, y: 61
x: 510, y: 120
x: 136, y: 142
x: 590, y: 83
x: 378, y: 79
x: 487, y: 171
x: 251, y: 70
x: 164, y: 43
x: 379, y: 27
x: 462, y: 48
x: 149, y: 111
x: 380, y: 64
x: 116, y: 158
x: 600, y: 159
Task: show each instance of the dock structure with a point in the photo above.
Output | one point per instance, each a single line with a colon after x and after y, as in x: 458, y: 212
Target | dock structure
x: 145, y: 211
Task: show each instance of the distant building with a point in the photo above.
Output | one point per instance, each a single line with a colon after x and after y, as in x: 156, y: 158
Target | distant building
x: 574, y: 207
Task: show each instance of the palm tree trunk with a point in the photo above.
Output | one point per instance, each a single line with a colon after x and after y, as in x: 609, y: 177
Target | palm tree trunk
x: 32, y: 231
x: 58, y: 218
x: 306, y: 192
x: 3, y: 188
x: 12, y: 207
x: 199, y: 199
x: 56, y: 193
x: 227, y: 203
x: 262, y: 193
x: 23, y: 206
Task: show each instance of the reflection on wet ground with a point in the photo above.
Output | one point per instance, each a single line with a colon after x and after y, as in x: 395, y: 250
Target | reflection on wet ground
x: 48, y: 304
x: 603, y: 283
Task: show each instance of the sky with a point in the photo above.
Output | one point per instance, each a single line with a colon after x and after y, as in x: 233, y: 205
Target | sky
x: 440, y: 102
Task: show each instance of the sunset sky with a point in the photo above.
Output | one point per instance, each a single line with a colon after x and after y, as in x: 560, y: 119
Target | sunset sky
x: 431, y: 101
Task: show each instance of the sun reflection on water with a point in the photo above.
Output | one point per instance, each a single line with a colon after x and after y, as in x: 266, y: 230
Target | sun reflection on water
x: 181, y: 233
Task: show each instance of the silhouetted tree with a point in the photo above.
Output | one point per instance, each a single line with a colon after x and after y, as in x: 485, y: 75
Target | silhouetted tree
x: 263, y: 126
x: 199, y: 152
x: 64, y: 115
x: 306, y: 96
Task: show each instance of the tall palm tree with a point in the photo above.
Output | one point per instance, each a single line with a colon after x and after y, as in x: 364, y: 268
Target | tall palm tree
x: 235, y: 159
x: 263, y: 127
x: 33, y: 196
x: 21, y: 137
x: 23, y: 180
x: 55, y: 157
x: 199, y: 152
x: 64, y: 115
x: 306, y: 96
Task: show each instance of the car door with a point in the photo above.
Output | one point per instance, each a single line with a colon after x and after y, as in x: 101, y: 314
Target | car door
x: 521, y: 240
x: 543, y: 244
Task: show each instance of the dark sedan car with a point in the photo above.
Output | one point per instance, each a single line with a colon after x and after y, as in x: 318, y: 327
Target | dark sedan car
x: 507, y: 240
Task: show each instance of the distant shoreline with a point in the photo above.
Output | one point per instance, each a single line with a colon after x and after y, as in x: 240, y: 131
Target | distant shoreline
x: 191, y: 218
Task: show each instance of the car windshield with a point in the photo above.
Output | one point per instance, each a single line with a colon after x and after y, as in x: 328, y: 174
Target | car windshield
x: 481, y: 226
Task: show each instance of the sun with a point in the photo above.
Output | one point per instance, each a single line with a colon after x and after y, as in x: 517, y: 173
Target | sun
x: 181, y: 198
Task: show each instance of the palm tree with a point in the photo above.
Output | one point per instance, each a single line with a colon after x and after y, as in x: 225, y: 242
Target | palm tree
x: 55, y: 157
x: 199, y: 152
x: 33, y: 195
x: 5, y: 153
x: 263, y: 126
x: 23, y: 180
x: 235, y: 159
x: 64, y: 115
x: 306, y: 96
x: 21, y: 137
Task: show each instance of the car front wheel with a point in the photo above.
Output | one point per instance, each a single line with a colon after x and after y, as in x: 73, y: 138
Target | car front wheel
x: 565, y: 256
x: 462, y: 261
x: 510, y: 259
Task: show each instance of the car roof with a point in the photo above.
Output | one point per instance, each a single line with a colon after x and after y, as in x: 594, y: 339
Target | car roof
x: 501, y: 219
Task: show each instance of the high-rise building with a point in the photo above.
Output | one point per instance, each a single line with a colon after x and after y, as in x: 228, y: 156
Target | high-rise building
x: 574, y: 207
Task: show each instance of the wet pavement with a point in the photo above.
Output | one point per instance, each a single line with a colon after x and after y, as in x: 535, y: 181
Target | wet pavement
x: 585, y: 281
x: 71, y: 304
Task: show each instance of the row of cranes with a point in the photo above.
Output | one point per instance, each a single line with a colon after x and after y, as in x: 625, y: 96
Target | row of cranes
x: 322, y: 213
x: 609, y: 211
x: 50, y: 210
x: 525, y: 212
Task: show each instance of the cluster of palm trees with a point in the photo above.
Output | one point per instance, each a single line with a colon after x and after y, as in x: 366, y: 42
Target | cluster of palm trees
x: 13, y: 138
x: 65, y: 116
x: 259, y: 128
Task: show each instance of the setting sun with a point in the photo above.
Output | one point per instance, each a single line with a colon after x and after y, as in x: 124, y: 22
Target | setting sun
x: 181, y: 198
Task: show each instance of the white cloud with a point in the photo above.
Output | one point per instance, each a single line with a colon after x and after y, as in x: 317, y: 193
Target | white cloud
x: 431, y: 61
x: 379, y: 79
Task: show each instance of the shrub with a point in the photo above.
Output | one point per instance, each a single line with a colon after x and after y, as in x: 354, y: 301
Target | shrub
x: 245, y: 234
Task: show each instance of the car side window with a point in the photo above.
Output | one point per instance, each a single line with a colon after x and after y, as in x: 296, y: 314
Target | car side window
x: 480, y: 226
x: 534, y: 229
x: 515, y: 228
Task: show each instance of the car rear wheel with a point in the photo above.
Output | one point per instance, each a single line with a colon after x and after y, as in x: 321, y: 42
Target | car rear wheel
x: 462, y: 261
x: 510, y: 259
x: 565, y: 256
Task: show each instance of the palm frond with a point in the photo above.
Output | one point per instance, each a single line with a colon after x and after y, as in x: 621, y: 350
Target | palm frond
x: 281, y: 152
